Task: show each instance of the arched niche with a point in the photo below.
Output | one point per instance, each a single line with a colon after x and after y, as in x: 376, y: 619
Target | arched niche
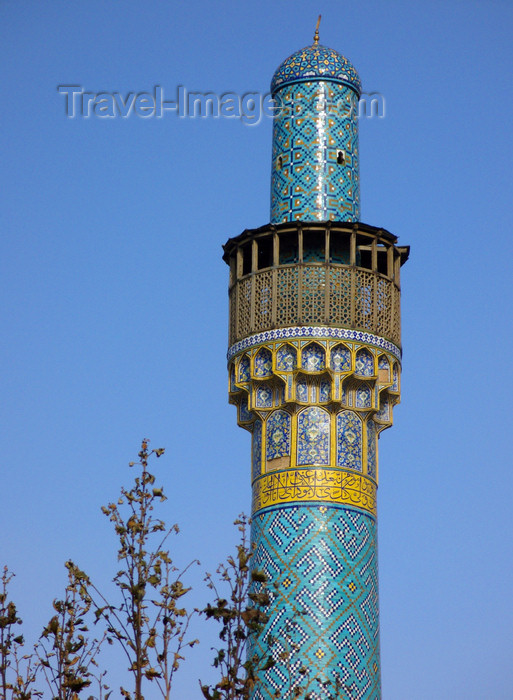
x: 313, y: 436
x: 313, y: 358
x: 286, y: 358
x: 277, y: 435
x: 364, y: 363
x: 340, y: 358
x: 243, y: 370
x: 349, y: 440
x: 263, y: 363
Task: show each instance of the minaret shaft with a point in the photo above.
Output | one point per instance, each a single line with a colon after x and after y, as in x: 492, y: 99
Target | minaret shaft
x: 314, y: 363
x: 315, y: 168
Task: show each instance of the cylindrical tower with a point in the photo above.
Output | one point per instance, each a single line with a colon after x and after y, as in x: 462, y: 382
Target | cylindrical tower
x: 315, y: 168
x: 314, y: 363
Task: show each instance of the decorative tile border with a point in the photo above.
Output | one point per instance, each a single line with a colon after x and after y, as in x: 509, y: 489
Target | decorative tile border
x: 315, y: 485
x: 313, y: 332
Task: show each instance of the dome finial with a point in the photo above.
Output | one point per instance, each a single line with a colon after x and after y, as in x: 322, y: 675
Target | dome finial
x: 316, y: 35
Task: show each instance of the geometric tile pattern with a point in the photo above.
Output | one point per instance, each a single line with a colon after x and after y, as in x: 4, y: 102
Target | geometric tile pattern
x: 244, y: 414
x: 354, y: 376
x: 316, y: 61
x: 313, y: 332
x: 395, y: 382
x: 314, y: 468
x: 315, y: 162
x: 321, y: 565
x: 384, y: 411
x: 314, y: 472
x: 244, y: 374
x: 327, y: 413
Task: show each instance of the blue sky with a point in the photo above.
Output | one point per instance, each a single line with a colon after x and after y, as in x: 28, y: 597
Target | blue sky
x: 114, y: 303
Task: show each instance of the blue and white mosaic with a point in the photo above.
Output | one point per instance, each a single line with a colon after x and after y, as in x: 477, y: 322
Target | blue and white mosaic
x: 316, y: 61
x: 324, y: 390
x: 340, y: 359
x: 313, y: 332
x: 349, y: 440
x: 263, y: 363
x: 313, y: 436
x: 395, y: 381
x: 244, y: 373
x: 233, y: 379
x: 322, y: 566
x: 244, y: 414
x: 302, y: 390
x: 286, y: 358
x: 364, y: 364
x: 256, y: 450
x: 313, y: 358
x: 372, y: 461
x: 315, y: 169
x: 363, y: 397
x: 384, y: 411
x: 264, y: 396
x: 278, y: 435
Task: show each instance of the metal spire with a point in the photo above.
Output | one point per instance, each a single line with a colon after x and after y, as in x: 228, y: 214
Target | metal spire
x: 316, y: 35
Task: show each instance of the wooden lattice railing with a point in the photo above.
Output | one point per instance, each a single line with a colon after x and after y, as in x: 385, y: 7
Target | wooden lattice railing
x: 315, y: 295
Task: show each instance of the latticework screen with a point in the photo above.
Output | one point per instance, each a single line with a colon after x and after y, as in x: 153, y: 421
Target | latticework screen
x: 302, y: 294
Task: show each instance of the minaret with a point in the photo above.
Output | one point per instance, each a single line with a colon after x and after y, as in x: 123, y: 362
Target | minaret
x: 314, y: 362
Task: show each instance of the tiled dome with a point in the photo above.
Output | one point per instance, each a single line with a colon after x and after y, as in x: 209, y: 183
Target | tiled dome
x: 316, y: 62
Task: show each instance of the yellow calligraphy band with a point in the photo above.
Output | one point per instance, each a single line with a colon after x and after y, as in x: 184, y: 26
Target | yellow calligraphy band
x: 315, y: 485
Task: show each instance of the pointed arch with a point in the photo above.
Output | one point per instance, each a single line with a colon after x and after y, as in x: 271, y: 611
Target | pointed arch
x: 263, y: 363
x: 277, y: 435
x: 313, y: 436
x: 313, y: 358
x: 349, y: 440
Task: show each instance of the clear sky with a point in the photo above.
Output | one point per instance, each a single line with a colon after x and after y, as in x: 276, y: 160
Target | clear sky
x: 114, y: 300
